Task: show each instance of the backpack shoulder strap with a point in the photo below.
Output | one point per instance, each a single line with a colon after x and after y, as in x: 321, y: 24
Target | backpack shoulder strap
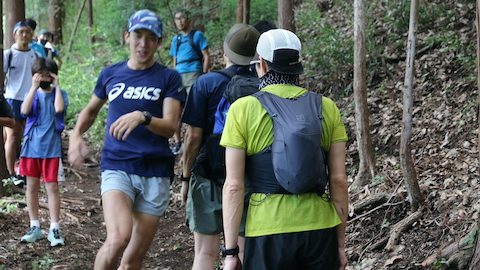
x: 9, y: 59
x: 226, y: 72
x: 192, y: 43
x: 179, y: 40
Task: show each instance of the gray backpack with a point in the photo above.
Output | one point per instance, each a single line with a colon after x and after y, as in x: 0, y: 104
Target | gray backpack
x: 299, y: 161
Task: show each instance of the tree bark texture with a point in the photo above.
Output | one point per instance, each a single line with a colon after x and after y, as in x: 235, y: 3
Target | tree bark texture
x: 15, y: 13
x: 239, y: 11
x: 246, y: 11
x: 366, y: 168
x: 3, y: 165
x: 406, y: 160
x: 90, y: 21
x: 75, y: 26
x: 475, y: 262
x: 286, y: 17
x: 56, y: 9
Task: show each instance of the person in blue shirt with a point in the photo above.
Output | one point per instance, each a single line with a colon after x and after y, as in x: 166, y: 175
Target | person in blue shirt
x: 144, y: 109
x: 201, y: 193
x: 189, y: 49
x: 44, y: 107
x: 39, y: 49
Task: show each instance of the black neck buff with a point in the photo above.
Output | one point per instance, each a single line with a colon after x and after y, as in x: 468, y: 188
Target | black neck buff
x: 272, y: 77
x: 45, y: 85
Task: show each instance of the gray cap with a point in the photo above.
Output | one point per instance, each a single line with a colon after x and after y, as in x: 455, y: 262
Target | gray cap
x: 240, y: 44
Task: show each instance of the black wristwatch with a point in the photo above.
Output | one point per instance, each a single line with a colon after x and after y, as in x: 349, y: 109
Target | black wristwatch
x: 230, y: 251
x: 148, y: 118
x: 184, y: 179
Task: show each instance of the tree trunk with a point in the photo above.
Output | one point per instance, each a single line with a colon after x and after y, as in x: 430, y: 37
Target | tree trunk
x: 246, y: 11
x: 56, y: 9
x: 475, y: 262
x: 286, y: 16
x: 239, y: 11
x: 406, y: 159
x: 90, y: 21
x: 366, y: 168
x: 3, y: 165
x: 75, y: 26
x: 15, y: 13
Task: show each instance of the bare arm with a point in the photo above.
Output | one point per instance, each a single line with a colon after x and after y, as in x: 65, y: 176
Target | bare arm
x: 59, y: 104
x: 339, y: 194
x: 7, y: 122
x: 206, y: 61
x: 233, y: 194
x: 233, y: 199
x: 28, y: 100
x: 193, y: 140
x: 165, y: 126
x: 77, y: 149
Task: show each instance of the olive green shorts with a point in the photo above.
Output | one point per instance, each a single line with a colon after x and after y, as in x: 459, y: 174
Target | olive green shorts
x: 188, y: 79
x: 204, y: 207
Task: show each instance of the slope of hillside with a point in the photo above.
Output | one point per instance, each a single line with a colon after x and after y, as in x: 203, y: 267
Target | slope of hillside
x: 444, y: 140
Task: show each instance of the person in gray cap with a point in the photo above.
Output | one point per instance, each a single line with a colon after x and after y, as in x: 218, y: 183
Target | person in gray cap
x: 284, y: 230
x: 200, y: 191
x: 144, y: 109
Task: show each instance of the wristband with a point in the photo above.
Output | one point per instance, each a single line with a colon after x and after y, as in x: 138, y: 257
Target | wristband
x: 184, y: 179
x: 230, y: 251
x: 148, y: 118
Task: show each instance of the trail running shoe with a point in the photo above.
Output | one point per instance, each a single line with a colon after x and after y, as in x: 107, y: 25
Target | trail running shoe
x: 33, y: 235
x: 55, y: 238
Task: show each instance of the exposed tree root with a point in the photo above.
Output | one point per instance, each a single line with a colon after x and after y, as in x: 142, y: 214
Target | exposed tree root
x: 400, y: 227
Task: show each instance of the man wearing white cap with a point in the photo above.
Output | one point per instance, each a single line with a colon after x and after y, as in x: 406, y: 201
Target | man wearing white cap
x: 283, y: 230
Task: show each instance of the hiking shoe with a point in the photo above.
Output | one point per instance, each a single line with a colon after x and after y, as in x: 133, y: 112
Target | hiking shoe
x: 55, y: 238
x: 176, y: 148
x: 18, y: 180
x: 33, y: 235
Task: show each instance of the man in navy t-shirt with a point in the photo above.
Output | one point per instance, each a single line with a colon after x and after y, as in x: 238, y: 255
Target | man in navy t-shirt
x: 144, y: 108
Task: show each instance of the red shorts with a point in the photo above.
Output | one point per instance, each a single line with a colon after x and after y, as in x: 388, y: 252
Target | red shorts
x: 36, y: 167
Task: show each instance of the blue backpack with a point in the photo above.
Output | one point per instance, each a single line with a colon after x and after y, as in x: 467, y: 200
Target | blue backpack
x: 238, y: 86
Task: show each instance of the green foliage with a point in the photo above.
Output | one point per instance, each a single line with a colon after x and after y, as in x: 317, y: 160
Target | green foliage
x: 326, y: 49
x: 44, y: 263
x: 6, y: 207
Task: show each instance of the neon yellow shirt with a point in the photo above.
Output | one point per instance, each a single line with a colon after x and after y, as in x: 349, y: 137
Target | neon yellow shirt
x: 249, y: 127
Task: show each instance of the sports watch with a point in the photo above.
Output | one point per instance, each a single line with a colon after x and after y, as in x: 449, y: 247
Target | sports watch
x: 148, y: 118
x: 230, y: 251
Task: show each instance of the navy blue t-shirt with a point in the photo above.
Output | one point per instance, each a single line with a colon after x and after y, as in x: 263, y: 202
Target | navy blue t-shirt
x: 204, y: 97
x: 143, y: 153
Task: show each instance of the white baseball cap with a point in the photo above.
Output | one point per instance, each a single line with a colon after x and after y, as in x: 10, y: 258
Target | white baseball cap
x: 281, y: 49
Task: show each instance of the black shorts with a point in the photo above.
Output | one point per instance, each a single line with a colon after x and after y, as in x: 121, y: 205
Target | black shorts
x: 314, y: 250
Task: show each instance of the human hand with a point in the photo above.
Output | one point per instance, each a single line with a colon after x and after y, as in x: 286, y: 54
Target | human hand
x: 124, y: 125
x: 342, y: 257
x: 184, y: 191
x: 55, y: 79
x: 36, y: 79
x: 232, y: 263
x: 77, y: 151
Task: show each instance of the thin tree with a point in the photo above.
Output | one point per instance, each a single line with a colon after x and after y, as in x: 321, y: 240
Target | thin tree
x: 56, y: 9
x: 475, y: 262
x: 366, y: 168
x: 75, y: 26
x: 90, y: 21
x: 239, y: 11
x: 246, y: 11
x: 286, y: 16
x: 16, y: 12
x: 3, y: 164
x: 406, y: 159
